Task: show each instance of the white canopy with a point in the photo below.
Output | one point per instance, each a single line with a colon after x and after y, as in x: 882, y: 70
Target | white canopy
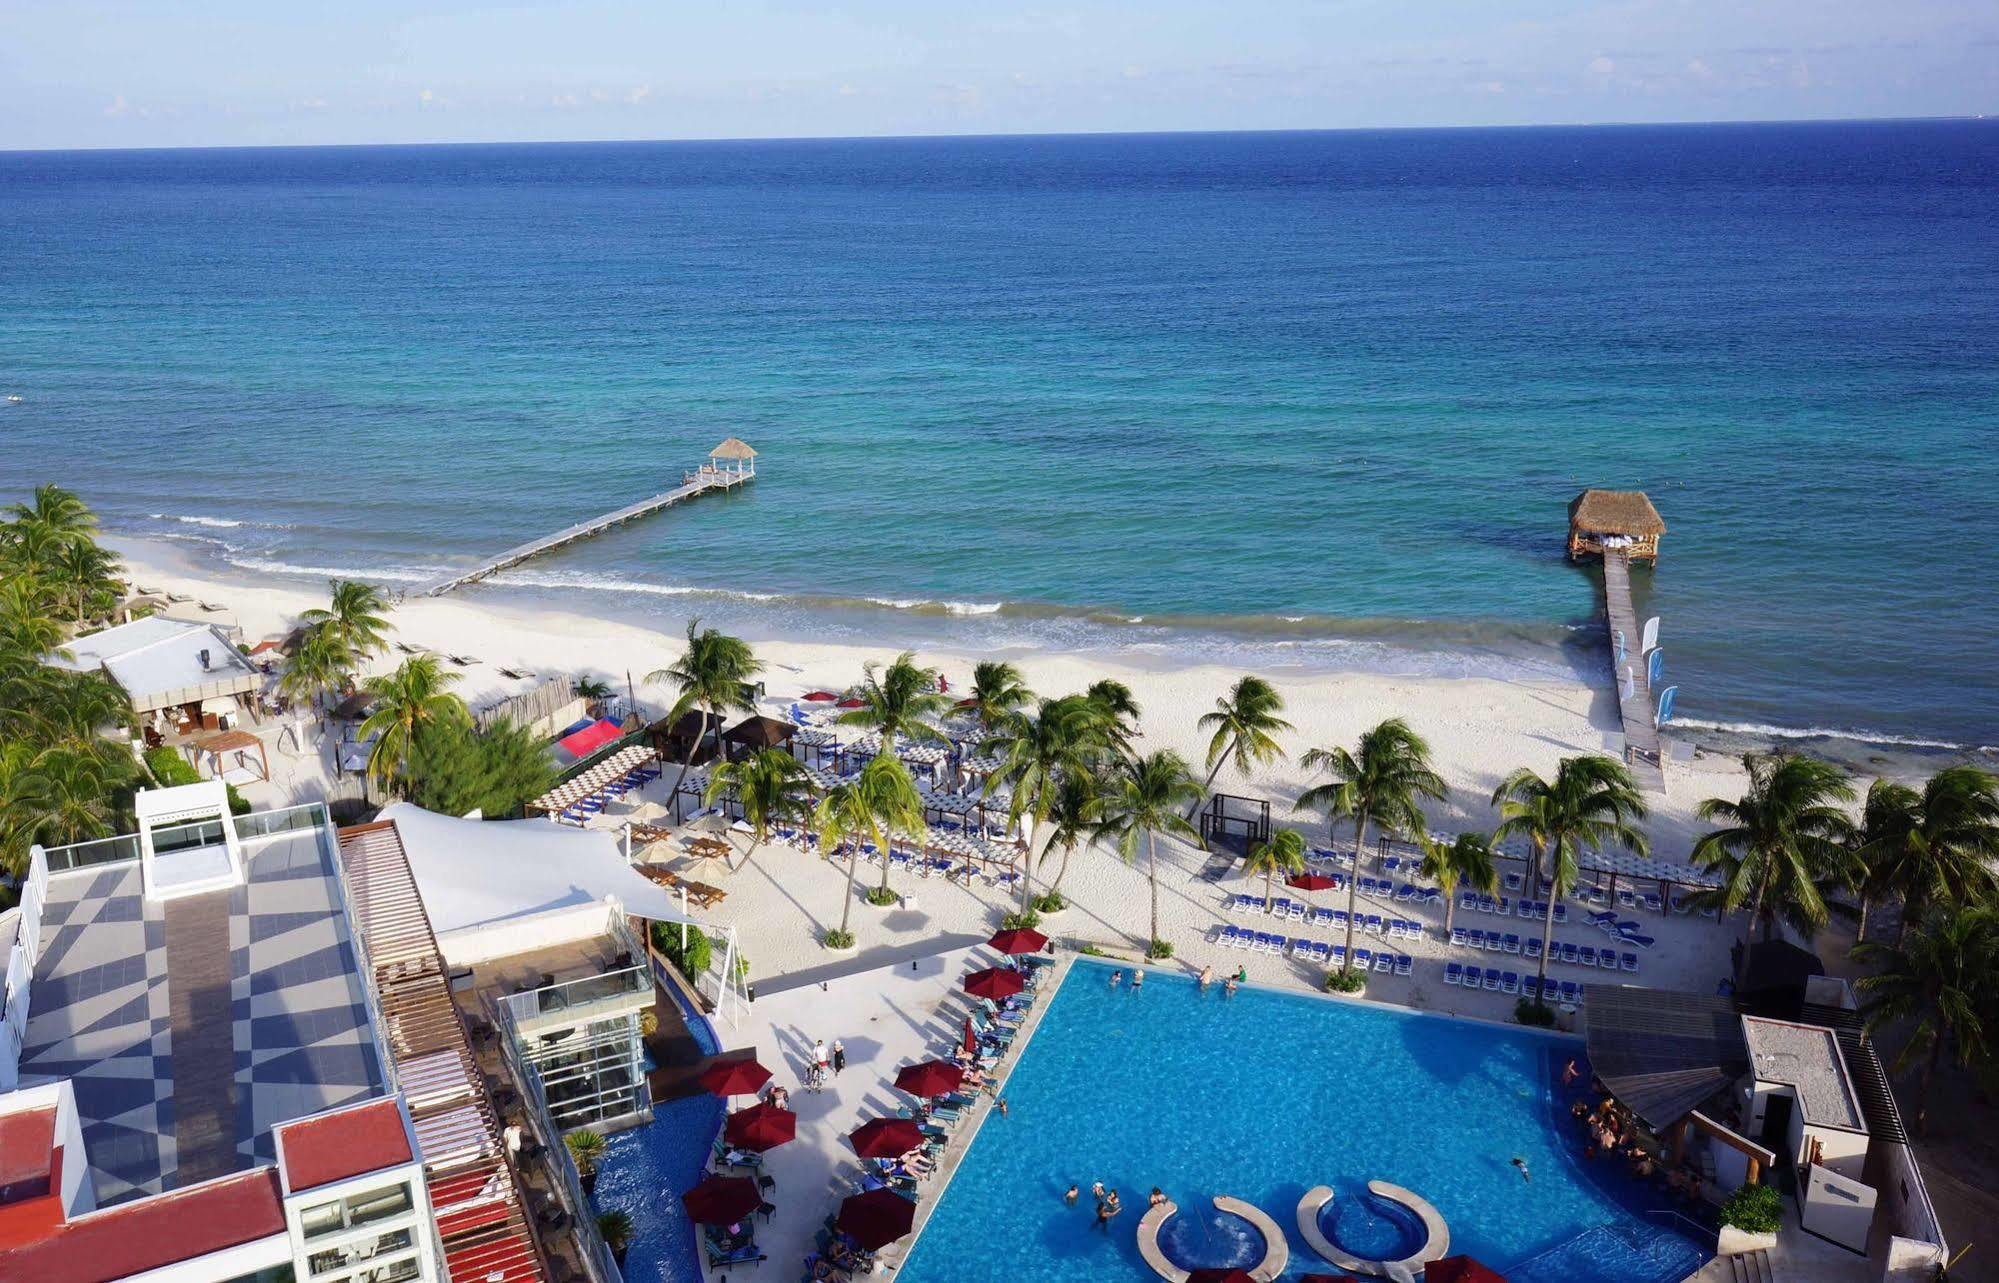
x: 478, y: 872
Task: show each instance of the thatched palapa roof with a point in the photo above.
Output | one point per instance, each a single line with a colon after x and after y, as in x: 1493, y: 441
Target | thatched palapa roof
x: 733, y: 448
x: 1616, y: 512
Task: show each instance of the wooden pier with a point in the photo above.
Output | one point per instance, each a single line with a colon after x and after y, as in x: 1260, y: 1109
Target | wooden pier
x: 1621, y: 526
x: 740, y: 470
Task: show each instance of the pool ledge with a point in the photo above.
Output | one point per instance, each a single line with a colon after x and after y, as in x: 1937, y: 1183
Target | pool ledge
x: 1276, y: 1250
x: 1436, y: 1234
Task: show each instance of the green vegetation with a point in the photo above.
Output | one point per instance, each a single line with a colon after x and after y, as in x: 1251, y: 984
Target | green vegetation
x: 1145, y: 796
x: 1159, y: 950
x: 1933, y: 847
x: 334, y: 641
x: 1467, y: 861
x: 170, y: 770
x: 1787, y: 838
x: 61, y: 781
x: 458, y: 769
x: 880, y: 803
x: 997, y: 692
x: 838, y: 939
x: 694, y: 959
x: 1345, y: 980
x: 1283, y: 853
x: 1754, y: 1209
x: 1049, y: 760
x: 882, y: 897
x: 770, y: 785
x: 1943, y: 983
x: 1381, y: 783
x: 616, y: 1227
x: 1027, y: 921
x: 711, y: 675
x: 1245, y: 724
x: 414, y: 698
x: 1052, y: 902
x: 1531, y: 1011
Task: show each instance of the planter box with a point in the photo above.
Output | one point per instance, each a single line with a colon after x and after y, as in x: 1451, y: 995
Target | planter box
x: 1734, y: 1242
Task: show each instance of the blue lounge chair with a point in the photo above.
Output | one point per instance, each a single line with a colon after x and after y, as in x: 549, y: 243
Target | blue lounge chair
x: 1495, y: 942
x: 1458, y: 936
x: 1453, y: 973
x: 1509, y: 982
x: 1570, y: 953
x: 1467, y: 901
x: 1588, y: 953
x: 1404, y: 964
x: 1530, y: 949
x: 1629, y: 961
x: 1492, y: 979
x: 1632, y: 937
x: 1511, y: 942
x: 1474, y: 978
x: 1384, y: 962
x: 1363, y: 959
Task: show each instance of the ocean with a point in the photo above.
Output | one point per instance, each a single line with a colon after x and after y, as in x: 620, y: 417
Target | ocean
x: 1312, y: 399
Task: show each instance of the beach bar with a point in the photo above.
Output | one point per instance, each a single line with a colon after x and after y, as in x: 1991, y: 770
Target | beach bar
x: 1613, y: 521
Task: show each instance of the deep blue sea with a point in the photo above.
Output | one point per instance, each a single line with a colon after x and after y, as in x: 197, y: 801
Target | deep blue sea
x: 1301, y: 398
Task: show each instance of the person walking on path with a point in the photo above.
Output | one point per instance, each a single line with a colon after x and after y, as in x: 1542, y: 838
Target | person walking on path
x: 839, y: 1055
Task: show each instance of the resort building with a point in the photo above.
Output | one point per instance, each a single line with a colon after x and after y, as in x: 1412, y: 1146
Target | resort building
x: 239, y: 1048
x: 181, y: 676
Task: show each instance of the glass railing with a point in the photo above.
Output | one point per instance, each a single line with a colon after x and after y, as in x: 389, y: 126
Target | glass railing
x: 292, y: 819
x: 578, y: 996
x: 85, y: 855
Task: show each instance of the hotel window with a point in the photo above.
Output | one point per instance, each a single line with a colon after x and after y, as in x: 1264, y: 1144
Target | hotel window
x: 356, y: 1210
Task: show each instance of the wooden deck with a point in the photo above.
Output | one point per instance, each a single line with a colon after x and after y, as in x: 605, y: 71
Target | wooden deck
x: 1641, y: 737
x: 698, y: 484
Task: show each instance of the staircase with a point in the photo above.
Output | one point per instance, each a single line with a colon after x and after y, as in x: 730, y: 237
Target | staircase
x: 1743, y: 1267
x: 1870, y: 1080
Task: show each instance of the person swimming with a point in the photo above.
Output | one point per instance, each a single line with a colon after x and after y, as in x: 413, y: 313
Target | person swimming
x: 1071, y: 1195
x: 1521, y: 1164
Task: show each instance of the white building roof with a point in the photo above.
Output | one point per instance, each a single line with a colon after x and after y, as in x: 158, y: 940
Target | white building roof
x: 157, y: 662
x: 1807, y: 1059
x: 474, y: 873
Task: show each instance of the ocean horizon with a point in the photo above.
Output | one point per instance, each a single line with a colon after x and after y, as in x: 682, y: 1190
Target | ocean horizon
x: 1306, y: 398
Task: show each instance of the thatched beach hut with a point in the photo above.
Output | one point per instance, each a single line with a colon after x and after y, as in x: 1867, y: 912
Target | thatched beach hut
x: 1615, y: 519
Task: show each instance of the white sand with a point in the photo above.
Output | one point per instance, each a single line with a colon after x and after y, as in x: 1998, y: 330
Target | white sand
x: 1478, y: 728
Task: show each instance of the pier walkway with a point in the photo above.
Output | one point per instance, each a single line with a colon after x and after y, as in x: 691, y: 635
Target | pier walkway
x: 1634, y: 686
x: 700, y: 482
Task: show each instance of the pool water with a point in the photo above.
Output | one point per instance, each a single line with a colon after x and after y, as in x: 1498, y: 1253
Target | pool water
x: 644, y: 1171
x: 1262, y: 1096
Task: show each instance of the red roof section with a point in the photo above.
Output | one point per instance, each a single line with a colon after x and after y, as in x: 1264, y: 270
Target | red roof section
x: 147, y: 1233
x: 27, y: 1143
x: 352, y: 1142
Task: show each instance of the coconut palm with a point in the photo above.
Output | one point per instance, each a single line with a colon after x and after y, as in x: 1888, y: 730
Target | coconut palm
x: 997, y: 690
x: 1073, y: 818
x: 1467, y: 861
x: 84, y: 574
x: 356, y: 617
x: 318, y: 665
x: 1283, y: 853
x: 1245, y: 725
x: 418, y: 692
x: 897, y: 702
x: 1382, y: 784
x: 58, y: 511
x: 593, y: 693
x: 712, y: 675
x: 26, y: 626
x: 1120, y: 706
x: 880, y: 803
x: 22, y: 800
x: 72, y: 788
x: 1036, y: 752
x: 1944, y: 979
x: 1592, y: 803
x: 1932, y: 847
x: 1786, y: 837
x: 1144, y: 799
x: 770, y: 785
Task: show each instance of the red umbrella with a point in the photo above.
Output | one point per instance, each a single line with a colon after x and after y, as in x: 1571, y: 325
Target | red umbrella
x: 760, y: 1127
x: 876, y: 1219
x: 851, y: 702
x: 721, y: 1200
x: 971, y: 1039
x: 1460, y: 1269
x: 1219, y: 1276
x: 994, y: 983
x: 734, y: 1077
x: 1019, y: 940
x: 886, y: 1137
x: 931, y: 1078
x: 1310, y: 882
x: 821, y: 697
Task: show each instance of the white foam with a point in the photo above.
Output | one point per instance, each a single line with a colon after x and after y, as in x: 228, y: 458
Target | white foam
x: 219, y: 523
x: 1824, y: 732
x: 390, y: 574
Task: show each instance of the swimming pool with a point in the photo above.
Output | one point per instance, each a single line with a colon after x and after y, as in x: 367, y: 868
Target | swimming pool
x: 1262, y: 1096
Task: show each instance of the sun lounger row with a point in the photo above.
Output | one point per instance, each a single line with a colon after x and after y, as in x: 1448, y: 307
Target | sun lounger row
x: 1334, y: 955
x: 1473, y: 902
x: 1336, y: 919
x: 1327, y: 856
x: 638, y: 777
x: 1558, y: 951
x: 1494, y: 980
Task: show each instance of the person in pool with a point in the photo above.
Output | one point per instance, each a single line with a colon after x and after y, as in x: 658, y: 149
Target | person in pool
x: 1117, y: 978
x: 1071, y: 1195
x: 1228, y: 987
x: 1207, y: 976
x: 1521, y: 1163
x: 1155, y: 1198
x: 1137, y: 979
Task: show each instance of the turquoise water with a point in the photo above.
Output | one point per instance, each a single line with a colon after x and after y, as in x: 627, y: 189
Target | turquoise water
x: 644, y: 1172
x: 1264, y: 399
x: 1262, y: 1096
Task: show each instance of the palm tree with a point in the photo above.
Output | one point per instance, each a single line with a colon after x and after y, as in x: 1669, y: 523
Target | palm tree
x: 84, y: 573
x: 1036, y: 752
x: 357, y: 618
x: 997, y: 690
x: 1120, y: 707
x: 21, y: 803
x: 1381, y: 784
x: 881, y: 803
x: 1932, y: 847
x: 593, y: 693
x: 415, y: 694
x: 318, y: 665
x: 713, y: 675
x: 1787, y: 836
x: 898, y: 701
x: 1467, y: 861
x: 1592, y: 802
x: 1245, y: 725
x: 58, y: 511
x: 71, y: 786
x: 26, y: 626
x: 1946, y: 980
x: 1283, y: 853
x: 770, y: 785
x: 1145, y: 798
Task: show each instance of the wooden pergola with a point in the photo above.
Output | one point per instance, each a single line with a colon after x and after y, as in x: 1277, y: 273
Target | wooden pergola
x: 1615, y: 520
x: 230, y: 742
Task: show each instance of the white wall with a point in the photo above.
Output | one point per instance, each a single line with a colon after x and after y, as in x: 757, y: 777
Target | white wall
x: 1843, y: 1152
x: 492, y: 940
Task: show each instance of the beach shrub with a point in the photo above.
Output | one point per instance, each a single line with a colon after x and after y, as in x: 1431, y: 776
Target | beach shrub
x: 1050, y: 903
x: 1020, y: 921
x: 1529, y: 1012
x: 1091, y: 951
x: 838, y: 939
x: 1159, y: 950
x: 883, y: 897
x: 692, y: 960
x: 458, y: 769
x: 1754, y: 1209
x: 1345, y: 980
x: 171, y: 770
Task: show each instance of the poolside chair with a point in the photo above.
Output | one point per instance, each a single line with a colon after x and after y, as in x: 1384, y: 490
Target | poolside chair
x: 1338, y: 955
x: 1453, y: 973
x: 1373, y: 924
x: 1458, y: 936
x: 1629, y: 961
x: 1509, y: 982
x: 1467, y: 901
x: 1322, y: 917
x: 1588, y: 954
x: 1511, y: 942
x: 1711, y: 913
x: 1322, y: 953
x: 1474, y: 978
x: 1486, y: 904
x: 1653, y: 902
x: 1626, y: 900
x: 1340, y: 919
x: 1405, y: 892
x: 1495, y: 942
x: 1223, y: 934
x: 1504, y: 908
x: 1363, y: 959
x: 1301, y: 949
x: 1384, y: 962
x: 1530, y: 948
x: 1280, y: 906
x: 1514, y: 881
x: 1602, y: 918
x: 1570, y: 953
x: 1632, y: 937
x: 1492, y: 979
x: 1404, y: 964
x: 1296, y: 913
x: 1561, y: 915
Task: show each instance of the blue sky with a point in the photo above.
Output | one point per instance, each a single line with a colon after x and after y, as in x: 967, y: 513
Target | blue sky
x: 137, y: 73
